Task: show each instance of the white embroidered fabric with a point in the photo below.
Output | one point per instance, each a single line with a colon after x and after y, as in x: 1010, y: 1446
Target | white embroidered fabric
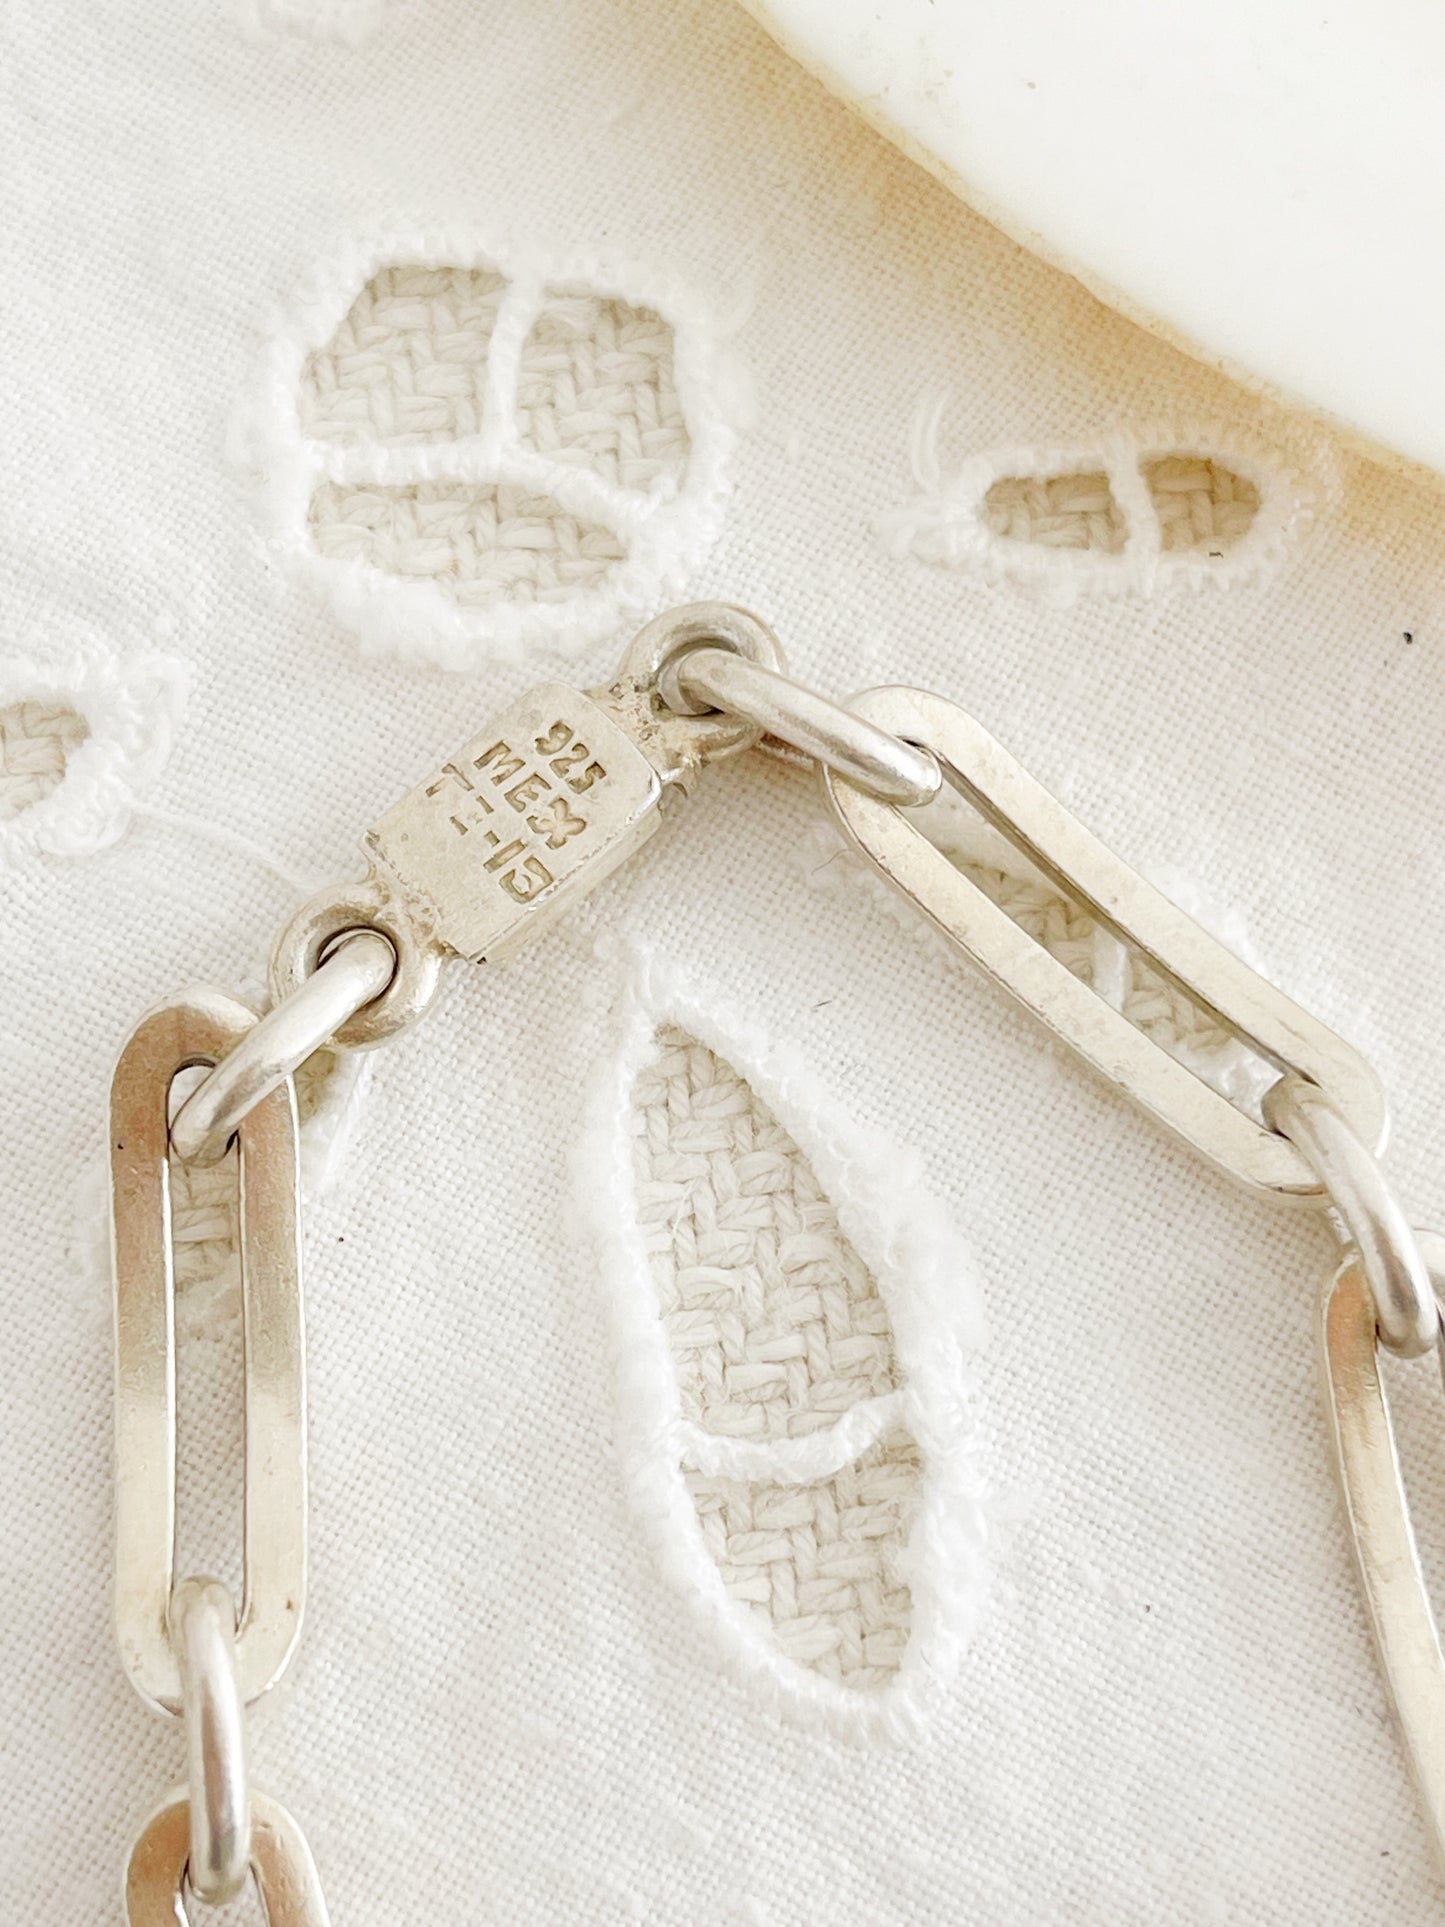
x: 786, y: 1444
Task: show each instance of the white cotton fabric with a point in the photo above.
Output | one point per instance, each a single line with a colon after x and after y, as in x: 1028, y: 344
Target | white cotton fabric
x: 500, y: 1711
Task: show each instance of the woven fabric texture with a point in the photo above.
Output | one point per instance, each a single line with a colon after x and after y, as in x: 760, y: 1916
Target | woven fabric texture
x: 777, y: 1328
x: 409, y: 365
x: 1200, y: 505
x: 36, y: 741
x: 673, y: 1559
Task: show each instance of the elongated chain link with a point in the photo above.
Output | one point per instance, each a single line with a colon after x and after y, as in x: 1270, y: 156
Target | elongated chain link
x: 186, y: 1648
x: 519, y: 822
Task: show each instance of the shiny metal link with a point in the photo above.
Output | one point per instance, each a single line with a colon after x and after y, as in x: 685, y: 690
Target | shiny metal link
x: 202, y: 1028
x: 528, y: 814
x: 203, y: 1627
x: 1378, y: 1514
x: 1088, y: 872
x: 679, y: 741
x: 525, y: 818
x: 1376, y: 1227
x: 354, y: 972
x: 326, y: 921
x: 287, y: 1883
x: 697, y: 679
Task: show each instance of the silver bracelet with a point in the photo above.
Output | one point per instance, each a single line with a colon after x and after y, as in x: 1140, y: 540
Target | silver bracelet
x: 531, y: 813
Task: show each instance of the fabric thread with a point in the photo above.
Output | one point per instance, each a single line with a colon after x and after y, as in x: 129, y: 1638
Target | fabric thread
x: 37, y: 740
x: 1200, y: 505
x: 477, y: 546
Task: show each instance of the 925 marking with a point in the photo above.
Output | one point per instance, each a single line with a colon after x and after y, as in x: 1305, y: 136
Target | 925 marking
x: 530, y: 790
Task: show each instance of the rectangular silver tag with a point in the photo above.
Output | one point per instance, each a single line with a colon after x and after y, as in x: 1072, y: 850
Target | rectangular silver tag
x: 544, y: 803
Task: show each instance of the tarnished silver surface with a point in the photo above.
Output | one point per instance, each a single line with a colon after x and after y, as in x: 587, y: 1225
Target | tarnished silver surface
x: 203, y: 1628
x: 538, y: 807
x: 1083, y: 868
x: 200, y: 1029
x: 287, y: 1883
x: 679, y: 745
x: 1376, y: 1227
x: 533, y: 812
x: 353, y: 973
x: 343, y: 910
x: 1379, y: 1519
x: 698, y: 679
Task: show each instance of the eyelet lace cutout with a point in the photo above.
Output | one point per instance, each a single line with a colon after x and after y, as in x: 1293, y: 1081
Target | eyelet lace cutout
x: 596, y: 390
x: 791, y: 1327
x: 472, y: 453
x: 476, y: 546
x: 1135, y: 512
x: 821, y: 1562
x: 81, y: 740
x: 1057, y: 511
x: 408, y: 364
x: 37, y: 740
x: 1201, y: 504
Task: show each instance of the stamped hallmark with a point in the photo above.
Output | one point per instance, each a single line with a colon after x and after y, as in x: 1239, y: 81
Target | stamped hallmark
x: 499, y: 839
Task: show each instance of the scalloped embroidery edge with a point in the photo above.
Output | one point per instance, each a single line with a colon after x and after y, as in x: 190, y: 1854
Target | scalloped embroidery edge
x: 666, y: 531
x: 903, y: 1235
x: 942, y: 522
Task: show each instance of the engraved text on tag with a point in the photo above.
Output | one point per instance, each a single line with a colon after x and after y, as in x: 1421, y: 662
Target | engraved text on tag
x: 540, y: 806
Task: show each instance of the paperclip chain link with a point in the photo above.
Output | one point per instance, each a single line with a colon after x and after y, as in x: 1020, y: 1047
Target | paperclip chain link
x: 186, y: 1649
x: 541, y: 805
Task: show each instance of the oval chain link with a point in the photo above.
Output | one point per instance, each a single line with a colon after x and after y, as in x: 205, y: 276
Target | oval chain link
x: 354, y: 972
x: 203, y: 1625
x: 529, y: 813
x: 1377, y: 1513
x: 287, y: 1884
x: 201, y: 1029
x: 1376, y: 1227
x: 697, y: 680
x: 1211, y: 976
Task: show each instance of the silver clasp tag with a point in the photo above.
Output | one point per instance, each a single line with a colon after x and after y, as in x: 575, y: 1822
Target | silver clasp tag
x: 537, y: 808
x: 526, y: 817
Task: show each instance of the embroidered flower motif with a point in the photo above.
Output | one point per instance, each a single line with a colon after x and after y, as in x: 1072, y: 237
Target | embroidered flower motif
x: 792, y: 1319
x: 472, y: 451
x: 1135, y: 512
x: 81, y: 740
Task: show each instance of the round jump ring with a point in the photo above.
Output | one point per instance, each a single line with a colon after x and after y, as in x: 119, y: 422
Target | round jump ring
x: 1396, y: 1272
x: 354, y: 972
x: 203, y: 1623
x: 700, y: 736
x: 704, y: 676
x: 320, y: 924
